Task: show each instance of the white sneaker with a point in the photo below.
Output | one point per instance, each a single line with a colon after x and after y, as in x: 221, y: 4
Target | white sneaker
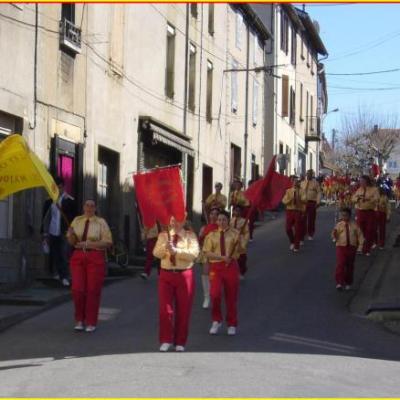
x: 165, y: 347
x: 310, y: 238
x: 339, y: 287
x: 215, y: 327
x: 301, y: 243
x: 90, y: 328
x: 347, y: 287
x: 179, y: 349
x: 367, y: 254
x: 65, y: 282
x: 231, y: 330
x: 291, y: 247
x: 144, y: 276
x: 296, y: 250
x: 79, y: 327
x: 373, y: 246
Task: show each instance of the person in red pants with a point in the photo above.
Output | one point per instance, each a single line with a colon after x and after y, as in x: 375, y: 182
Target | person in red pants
x: 177, y: 249
x: 242, y: 226
x: 90, y: 236
x: 348, y: 237
x: 204, y: 231
x: 312, y: 190
x: 382, y: 215
x: 149, y: 235
x: 221, y: 247
x: 366, y: 199
x: 294, y: 200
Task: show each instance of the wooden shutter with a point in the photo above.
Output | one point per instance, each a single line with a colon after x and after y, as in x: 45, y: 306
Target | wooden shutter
x: 285, y: 95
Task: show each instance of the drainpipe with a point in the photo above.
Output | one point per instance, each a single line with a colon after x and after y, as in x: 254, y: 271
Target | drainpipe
x: 246, y: 117
x: 185, y: 94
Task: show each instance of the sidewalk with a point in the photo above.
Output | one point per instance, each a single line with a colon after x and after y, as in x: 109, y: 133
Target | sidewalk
x: 46, y: 293
x: 378, y: 296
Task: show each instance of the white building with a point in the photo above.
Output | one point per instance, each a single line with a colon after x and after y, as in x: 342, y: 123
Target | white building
x: 293, y: 123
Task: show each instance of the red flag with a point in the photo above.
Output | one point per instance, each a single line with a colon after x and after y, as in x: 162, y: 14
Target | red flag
x: 160, y: 195
x: 375, y: 170
x: 267, y: 193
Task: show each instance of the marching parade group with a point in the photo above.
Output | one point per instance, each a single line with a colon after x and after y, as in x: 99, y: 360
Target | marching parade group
x: 221, y: 247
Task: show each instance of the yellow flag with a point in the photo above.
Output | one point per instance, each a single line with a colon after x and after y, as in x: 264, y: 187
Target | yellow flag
x: 21, y: 169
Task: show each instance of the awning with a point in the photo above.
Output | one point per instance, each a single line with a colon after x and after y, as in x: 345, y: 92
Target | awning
x: 168, y: 137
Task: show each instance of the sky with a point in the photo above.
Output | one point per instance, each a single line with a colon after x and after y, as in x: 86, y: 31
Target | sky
x: 359, y: 38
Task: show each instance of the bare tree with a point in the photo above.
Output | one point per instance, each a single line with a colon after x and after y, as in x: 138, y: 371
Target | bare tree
x: 365, y: 137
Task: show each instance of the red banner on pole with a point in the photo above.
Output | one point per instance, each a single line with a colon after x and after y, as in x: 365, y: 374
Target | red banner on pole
x: 267, y: 193
x: 160, y: 195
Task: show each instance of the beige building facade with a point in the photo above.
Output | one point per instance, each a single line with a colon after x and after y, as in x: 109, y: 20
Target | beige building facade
x: 102, y: 91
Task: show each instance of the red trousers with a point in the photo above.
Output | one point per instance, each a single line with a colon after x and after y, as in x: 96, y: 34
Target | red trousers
x: 87, y: 272
x: 311, y: 212
x: 224, y: 277
x: 366, y: 222
x: 150, y: 244
x: 381, y: 228
x: 345, y: 257
x: 294, y: 227
x: 175, y: 292
x: 242, y: 261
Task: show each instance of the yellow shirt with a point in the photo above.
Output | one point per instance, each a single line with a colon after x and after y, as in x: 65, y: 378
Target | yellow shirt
x: 98, y: 229
x: 312, y: 189
x: 384, y: 205
x: 242, y: 226
x: 239, y: 199
x: 366, y: 198
x: 187, y: 250
x: 212, y: 244
x: 289, y: 199
x: 216, y: 200
x: 355, y: 235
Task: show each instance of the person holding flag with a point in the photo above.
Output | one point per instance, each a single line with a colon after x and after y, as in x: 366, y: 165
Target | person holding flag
x: 238, y: 197
x: 177, y: 249
x: 294, y: 200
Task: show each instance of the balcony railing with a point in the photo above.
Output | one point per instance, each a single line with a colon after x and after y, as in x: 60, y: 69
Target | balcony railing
x: 70, y: 36
x: 313, y: 131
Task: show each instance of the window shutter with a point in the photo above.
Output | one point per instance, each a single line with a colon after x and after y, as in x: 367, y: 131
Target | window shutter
x: 285, y: 95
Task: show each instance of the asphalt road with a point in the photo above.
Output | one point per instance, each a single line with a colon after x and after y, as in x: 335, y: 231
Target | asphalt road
x: 296, y: 338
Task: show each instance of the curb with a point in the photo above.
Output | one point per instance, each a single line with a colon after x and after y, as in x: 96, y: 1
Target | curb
x: 361, y: 303
x: 39, y: 307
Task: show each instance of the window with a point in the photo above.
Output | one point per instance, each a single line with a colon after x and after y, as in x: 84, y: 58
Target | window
x: 285, y: 95
x: 193, y: 10
x: 293, y: 52
x: 301, y: 102
x: 308, y: 56
x: 209, y: 91
x: 238, y: 29
x: 68, y: 12
x: 312, y: 116
x: 211, y: 19
x: 307, y: 113
x: 302, y: 49
x: 312, y: 66
x: 192, y: 78
x: 255, y: 102
x: 284, y: 32
x: 234, y: 87
x: 170, y: 61
x: 255, y: 49
x: 292, y: 117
